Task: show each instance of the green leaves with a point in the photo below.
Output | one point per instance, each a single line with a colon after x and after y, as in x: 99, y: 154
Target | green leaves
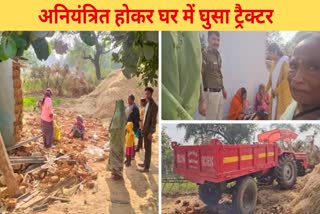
x: 148, y: 51
x: 8, y: 48
x: 88, y: 37
x: 15, y: 43
x: 21, y: 44
x: 151, y: 36
x: 41, y: 48
x: 228, y: 133
x: 138, y: 54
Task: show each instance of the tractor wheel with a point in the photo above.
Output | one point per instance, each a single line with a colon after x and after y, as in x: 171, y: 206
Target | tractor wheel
x: 244, y: 197
x: 301, y: 169
x: 286, y: 172
x: 210, y: 194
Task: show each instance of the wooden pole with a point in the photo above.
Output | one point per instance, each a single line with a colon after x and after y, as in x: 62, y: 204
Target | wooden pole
x: 7, y: 171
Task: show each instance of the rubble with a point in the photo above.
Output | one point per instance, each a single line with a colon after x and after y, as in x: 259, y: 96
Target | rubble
x: 55, y: 174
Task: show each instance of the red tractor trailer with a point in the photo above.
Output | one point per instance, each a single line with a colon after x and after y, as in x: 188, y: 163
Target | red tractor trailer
x: 235, y: 168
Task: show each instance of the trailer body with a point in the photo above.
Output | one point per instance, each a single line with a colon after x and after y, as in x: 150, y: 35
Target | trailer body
x: 218, y: 162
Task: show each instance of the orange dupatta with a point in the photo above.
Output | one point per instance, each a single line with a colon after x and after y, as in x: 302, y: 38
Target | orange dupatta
x: 236, y: 107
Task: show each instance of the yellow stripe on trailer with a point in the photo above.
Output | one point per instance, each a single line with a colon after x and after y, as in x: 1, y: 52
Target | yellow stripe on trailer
x: 270, y: 154
x: 230, y: 159
x: 263, y: 155
x: 246, y: 157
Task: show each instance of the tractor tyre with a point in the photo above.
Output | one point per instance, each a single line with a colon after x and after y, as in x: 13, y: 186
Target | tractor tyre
x: 244, y: 197
x: 300, y: 168
x: 286, y: 172
x: 210, y: 194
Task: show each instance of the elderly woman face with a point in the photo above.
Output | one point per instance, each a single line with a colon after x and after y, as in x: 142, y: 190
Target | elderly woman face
x: 304, y: 72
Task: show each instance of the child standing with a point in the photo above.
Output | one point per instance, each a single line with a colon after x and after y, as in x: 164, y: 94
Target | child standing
x: 129, y: 143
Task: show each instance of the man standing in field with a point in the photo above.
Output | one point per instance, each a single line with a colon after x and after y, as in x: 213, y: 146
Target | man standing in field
x: 149, y: 127
x: 212, y: 78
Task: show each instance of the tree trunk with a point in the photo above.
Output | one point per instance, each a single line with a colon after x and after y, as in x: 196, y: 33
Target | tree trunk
x: 7, y: 171
x: 96, y: 61
x: 98, y: 71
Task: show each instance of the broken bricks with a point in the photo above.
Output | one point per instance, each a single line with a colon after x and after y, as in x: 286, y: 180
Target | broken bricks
x: 54, y: 179
x: 11, y: 203
x: 66, y: 176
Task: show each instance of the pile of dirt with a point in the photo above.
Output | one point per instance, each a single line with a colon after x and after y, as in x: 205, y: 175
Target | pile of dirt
x: 308, y: 199
x: 101, y: 102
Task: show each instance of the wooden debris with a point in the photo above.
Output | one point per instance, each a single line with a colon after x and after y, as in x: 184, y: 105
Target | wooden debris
x: 60, y: 199
x: 48, y: 175
x: 62, y: 183
x: 40, y: 208
x: 27, y: 160
x: 73, y: 189
x: 7, y: 171
x: 23, y: 143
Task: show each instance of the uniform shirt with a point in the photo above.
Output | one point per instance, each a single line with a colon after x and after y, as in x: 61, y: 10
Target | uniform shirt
x: 211, y: 69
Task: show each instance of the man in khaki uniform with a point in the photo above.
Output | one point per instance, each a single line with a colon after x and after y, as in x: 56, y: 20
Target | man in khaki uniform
x: 212, y: 78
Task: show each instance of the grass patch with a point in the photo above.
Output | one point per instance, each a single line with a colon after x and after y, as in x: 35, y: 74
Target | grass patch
x: 179, y: 187
x: 31, y: 101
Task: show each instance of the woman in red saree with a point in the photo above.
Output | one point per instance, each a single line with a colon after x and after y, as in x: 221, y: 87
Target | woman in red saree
x: 238, y: 105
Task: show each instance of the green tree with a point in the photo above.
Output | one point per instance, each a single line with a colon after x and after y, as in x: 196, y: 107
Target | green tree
x: 14, y: 43
x: 230, y: 133
x: 166, y: 151
x: 137, y: 51
x: 101, y: 45
x: 307, y: 126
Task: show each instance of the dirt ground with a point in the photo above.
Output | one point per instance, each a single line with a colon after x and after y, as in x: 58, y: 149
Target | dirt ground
x: 137, y: 193
x: 271, y: 200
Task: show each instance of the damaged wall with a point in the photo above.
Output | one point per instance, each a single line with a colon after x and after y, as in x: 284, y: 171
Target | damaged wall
x: 17, y: 85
